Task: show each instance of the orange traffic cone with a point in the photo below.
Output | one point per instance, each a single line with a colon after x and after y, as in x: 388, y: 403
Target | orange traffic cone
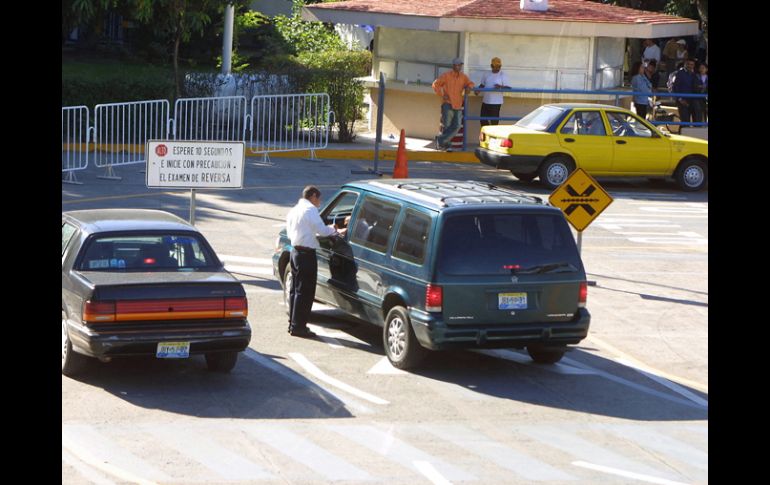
x: 400, y: 170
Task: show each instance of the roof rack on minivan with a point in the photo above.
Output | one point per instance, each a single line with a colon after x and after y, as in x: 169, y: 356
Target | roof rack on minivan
x: 482, y: 192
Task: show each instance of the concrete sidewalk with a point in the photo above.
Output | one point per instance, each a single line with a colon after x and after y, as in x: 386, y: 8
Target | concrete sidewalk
x: 362, y: 148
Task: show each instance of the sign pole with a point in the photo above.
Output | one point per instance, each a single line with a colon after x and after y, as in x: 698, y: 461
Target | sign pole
x: 192, y: 207
x: 580, y: 243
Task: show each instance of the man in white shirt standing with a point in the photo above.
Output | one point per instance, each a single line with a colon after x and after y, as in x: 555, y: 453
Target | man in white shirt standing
x: 490, y: 105
x: 303, y: 223
x: 651, y: 51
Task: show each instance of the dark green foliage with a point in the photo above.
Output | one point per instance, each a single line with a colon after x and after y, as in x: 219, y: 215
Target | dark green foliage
x: 75, y: 92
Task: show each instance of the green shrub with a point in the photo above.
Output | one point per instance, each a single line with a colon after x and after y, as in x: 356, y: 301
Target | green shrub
x: 78, y: 91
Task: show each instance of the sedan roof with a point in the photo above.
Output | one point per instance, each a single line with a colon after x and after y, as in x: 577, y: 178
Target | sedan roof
x: 109, y: 220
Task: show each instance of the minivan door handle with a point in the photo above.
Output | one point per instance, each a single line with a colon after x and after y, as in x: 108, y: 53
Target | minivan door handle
x: 620, y: 142
x: 569, y: 140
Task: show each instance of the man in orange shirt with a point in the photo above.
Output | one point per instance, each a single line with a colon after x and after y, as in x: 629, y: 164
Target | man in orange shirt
x: 452, y: 87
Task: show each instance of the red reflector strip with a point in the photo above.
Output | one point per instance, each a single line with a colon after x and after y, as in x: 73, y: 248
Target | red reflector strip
x: 170, y: 309
x: 512, y: 266
x: 149, y: 261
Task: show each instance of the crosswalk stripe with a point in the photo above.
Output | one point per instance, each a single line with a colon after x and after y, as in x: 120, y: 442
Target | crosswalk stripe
x: 85, y: 471
x: 244, y: 259
x: 652, y: 439
x: 588, y: 451
x: 97, y: 450
x: 306, y: 452
x: 248, y: 269
x: 319, y: 374
x: 389, y: 446
x: 204, y: 450
x: 499, y: 454
x: 623, y: 473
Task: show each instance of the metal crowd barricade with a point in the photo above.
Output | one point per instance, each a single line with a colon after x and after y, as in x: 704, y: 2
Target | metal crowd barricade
x: 75, y: 133
x: 122, y: 131
x: 290, y: 122
x: 211, y: 119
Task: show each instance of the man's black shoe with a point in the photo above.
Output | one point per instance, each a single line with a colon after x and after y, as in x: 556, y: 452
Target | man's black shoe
x: 304, y: 333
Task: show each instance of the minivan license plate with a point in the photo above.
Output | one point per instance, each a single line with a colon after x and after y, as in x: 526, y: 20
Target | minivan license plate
x: 173, y: 350
x: 512, y: 301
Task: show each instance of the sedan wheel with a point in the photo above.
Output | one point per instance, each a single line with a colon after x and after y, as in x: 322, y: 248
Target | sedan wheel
x: 555, y: 171
x: 72, y: 363
x: 287, y: 281
x: 692, y: 175
x: 401, y: 345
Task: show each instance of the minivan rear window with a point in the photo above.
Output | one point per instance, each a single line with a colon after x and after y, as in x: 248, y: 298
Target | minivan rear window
x: 485, y: 244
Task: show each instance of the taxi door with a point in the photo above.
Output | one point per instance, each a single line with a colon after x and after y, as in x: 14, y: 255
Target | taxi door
x: 584, y: 135
x: 637, y: 149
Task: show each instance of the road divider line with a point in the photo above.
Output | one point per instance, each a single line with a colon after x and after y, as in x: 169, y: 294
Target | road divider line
x: 626, y: 474
x: 430, y: 472
x: 667, y: 383
x: 324, y: 336
x: 319, y: 374
x: 619, y: 354
x: 302, y: 381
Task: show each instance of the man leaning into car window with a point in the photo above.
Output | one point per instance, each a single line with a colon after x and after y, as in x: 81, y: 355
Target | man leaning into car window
x: 303, y: 223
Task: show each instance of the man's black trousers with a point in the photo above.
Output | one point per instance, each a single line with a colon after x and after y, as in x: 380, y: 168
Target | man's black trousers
x: 489, y: 110
x: 304, y: 271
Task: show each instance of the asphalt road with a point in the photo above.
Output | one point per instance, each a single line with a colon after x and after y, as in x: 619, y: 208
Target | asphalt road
x: 628, y: 405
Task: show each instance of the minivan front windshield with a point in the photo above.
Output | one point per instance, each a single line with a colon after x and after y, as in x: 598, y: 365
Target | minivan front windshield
x: 505, y: 243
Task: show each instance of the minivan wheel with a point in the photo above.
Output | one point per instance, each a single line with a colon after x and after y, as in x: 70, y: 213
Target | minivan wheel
x: 555, y: 171
x: 221, y: 361
x: 401, y: 345
x: 72, y: 363
x: 546, y: 355
x: 287, y: 279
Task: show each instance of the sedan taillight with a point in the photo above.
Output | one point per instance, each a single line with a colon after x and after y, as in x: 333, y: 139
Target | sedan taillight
x: 506, y: 143
x: 236, y: 307
x: 98, y: 311
x: 482, y: 136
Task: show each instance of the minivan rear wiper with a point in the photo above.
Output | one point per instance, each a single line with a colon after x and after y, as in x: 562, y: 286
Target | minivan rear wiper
x: 548, y: 268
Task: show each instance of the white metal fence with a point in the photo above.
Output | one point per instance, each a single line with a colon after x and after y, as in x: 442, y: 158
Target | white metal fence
x: 290, y: 122
x: 214, y: 119
x: 74, y: 141
x: 122, y: 131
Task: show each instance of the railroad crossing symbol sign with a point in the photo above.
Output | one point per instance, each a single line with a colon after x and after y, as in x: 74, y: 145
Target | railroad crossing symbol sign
x: 581, y: 199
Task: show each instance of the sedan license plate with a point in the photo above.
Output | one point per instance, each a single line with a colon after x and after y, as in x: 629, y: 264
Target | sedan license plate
x: 494, y: 143
x: 173, y: 350
x: 512, y: 301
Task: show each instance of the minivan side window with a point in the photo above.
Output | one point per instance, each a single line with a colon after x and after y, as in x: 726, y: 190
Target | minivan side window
x: 374, y: 223
x: 412, y: 237
x: 340, y: 208
x: 67, y: 231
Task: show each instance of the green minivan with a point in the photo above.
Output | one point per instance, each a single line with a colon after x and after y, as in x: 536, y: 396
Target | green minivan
x: 444, y: 264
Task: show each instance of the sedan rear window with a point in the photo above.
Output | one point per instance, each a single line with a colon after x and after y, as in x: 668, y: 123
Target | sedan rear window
x: 488, y: 244
x: 146, y: 253
x: 541, y: 119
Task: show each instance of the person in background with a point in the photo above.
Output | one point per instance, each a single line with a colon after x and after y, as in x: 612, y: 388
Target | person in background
x: 492, y: 101
x: 641, y: 84
x: 303, y: 224
x: 669, y: 55
x: 703, y: 76
x: 452, y: 86
x: 651, y: 51
x: 651, y: 71
x: 687, y: 82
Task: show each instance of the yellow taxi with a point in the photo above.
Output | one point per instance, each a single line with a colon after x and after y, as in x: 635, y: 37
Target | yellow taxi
x: 555, y: 139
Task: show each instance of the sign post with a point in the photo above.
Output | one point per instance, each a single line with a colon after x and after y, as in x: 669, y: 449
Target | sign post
x: 195, y: 165
x: 582, y: 199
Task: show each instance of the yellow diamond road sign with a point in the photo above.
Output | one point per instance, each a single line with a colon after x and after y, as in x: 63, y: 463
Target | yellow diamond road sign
x: 581, y: 199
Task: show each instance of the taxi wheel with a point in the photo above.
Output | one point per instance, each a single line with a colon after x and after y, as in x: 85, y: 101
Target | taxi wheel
x: 524, y: 177
x: 72, y: 363
x: 546, y: 355
x: 555, y: 170
x: 401, y: 345
x: 221, y: 361
x: 692, y: 174
x: 287, y: 280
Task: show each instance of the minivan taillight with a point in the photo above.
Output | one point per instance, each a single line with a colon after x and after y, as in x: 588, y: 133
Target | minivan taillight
x: 236, y: 307
x: 434, y: 298
x: 98, y: 311
x: 583, y: 295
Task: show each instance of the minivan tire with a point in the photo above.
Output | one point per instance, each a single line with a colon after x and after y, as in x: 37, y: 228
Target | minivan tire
x: 546, y: 355
x: 72, y: 363
x: 401, y: 345
x: 221, y: 361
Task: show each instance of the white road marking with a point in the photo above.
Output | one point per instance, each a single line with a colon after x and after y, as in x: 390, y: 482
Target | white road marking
x: 503, y: 456
x: 324, y: 336
x: 626, y: 474
x: 256, y: 289
x: 319, y: 374
x: 306, y: 452
x: 668, y: 216
x: 669, y: 240
x: 386, y: 444
x: 302, y: 381
x: 665, y: 382
x: 248, y: 269
x: 521, y: 358
x: 430, y: 472
x: 557, y: 437
x: 617, y: 226
x: 675, y: 210
x: 384, y: 367
x: 96, y: 450
x: 225, y: 463
x: 85, y: 470
x: 659, y: 442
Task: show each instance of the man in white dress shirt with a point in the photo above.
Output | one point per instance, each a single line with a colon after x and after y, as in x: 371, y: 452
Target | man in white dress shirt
x: 303, y: 223
x: 490, y: 104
